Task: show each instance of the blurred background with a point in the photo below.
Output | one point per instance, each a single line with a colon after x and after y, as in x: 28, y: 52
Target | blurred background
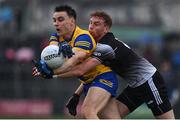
x: 150, y: 27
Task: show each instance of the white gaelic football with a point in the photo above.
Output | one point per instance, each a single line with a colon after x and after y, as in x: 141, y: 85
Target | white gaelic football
x: 51, y: 57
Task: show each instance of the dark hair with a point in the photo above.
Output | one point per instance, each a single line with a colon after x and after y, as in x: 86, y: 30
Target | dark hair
x: 68, y: 9
x: 104, y: 15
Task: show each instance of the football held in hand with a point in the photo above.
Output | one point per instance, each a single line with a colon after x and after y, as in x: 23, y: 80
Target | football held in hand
x: 51, y: 57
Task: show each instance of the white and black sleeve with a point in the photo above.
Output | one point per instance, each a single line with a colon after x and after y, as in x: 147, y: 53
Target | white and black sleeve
x: 103, y: 52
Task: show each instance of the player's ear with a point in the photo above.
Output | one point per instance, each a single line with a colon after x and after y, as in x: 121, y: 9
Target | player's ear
x: 72, y: 20
x: 106, y: 28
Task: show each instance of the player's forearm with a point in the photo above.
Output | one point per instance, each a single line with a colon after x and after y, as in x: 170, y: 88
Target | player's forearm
x: 71, y: 62
x: 71, y: 73
x: 67, y: 66
x: 81, y: 69
x: 75, y: 71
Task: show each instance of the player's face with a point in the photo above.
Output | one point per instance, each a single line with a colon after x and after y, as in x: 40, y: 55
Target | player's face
x: 97, y: 27
x: 63, y: 23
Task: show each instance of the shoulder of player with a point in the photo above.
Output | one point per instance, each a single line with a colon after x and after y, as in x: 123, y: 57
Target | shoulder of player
x: 80, y: 31
x: 111, y: 40
x: 82, y: 34
x: 103, y: 45
x: 54, y: 36
x: 83, y: 40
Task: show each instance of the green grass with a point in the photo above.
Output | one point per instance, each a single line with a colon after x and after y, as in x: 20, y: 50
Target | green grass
x: 141, y: 113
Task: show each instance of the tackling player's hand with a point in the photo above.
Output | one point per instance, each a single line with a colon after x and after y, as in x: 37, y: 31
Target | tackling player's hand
x: 72, y: 104
x: 66, y: 49
x: 35, y: 72
x: 42, y: 69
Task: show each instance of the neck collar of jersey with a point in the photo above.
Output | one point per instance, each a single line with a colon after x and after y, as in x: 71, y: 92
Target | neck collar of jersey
x: 107, y: 36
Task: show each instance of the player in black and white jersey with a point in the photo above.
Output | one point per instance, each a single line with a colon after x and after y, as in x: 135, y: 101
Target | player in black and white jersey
x: 145, y: 84
x: 133, y: 68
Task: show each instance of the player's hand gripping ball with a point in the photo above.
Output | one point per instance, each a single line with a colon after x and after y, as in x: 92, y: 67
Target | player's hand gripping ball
x: 66, y: 49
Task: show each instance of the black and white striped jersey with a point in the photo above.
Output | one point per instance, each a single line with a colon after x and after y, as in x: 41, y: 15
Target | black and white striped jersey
x: 123, y: 60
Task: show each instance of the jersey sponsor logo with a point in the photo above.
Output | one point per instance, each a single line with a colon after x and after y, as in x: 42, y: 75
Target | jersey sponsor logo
x: 106, y: 82
x: 97, y: 54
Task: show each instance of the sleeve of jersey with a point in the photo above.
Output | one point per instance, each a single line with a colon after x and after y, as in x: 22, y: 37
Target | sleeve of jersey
x: 103, y: 53
x: 54, y: 37
x: 84, y: 43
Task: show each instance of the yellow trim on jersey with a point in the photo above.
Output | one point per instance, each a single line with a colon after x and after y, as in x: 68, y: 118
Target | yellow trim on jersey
x: 99, y: 69
x: 53, y: 38
x: 53, y: 43
x: 79, y: 32
x: 90, y: 76
x: 80, y: 49
x: 106, y: 82
x: 76, y: 34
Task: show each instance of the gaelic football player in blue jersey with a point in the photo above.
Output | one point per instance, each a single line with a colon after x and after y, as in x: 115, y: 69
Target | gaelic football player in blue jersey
x: 99, y: 84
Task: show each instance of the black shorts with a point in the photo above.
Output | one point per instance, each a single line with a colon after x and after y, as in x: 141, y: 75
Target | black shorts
x: 153, y: 93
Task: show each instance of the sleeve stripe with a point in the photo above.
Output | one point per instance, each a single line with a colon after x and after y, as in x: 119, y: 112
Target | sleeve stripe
x: 82, y: 43
x: 53, y: 38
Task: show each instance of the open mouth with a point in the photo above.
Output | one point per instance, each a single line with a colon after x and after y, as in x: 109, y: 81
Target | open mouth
x: 57, y: 29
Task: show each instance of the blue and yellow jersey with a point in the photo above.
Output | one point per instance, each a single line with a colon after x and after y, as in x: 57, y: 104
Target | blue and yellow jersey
x: 82, y: 41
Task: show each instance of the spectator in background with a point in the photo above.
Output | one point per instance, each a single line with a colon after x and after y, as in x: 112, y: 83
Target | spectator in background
x: 6, y: 17
x: 18, y: 18
x: 151, y: 54
x: 169, y: 77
